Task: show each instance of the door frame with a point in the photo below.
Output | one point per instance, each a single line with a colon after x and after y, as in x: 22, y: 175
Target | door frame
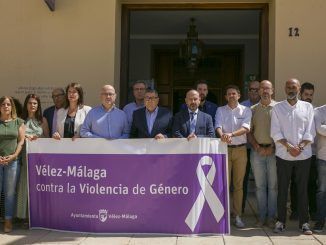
x: 125, y: 33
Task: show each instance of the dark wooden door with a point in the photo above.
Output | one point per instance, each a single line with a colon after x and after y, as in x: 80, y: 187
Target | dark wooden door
x: 221, y: 66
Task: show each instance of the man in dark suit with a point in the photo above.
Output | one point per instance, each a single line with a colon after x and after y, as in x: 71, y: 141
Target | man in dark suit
x: 58, y: 96
x: 205, y: 105
x: 192, y: 123
x: 151, y: 121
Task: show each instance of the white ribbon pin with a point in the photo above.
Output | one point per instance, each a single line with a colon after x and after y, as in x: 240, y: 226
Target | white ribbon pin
x: 206, y: 193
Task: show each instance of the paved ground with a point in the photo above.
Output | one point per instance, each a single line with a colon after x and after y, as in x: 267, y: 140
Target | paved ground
x: 250, y: 235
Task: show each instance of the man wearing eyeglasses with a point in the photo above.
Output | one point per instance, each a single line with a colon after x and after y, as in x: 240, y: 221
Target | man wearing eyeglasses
x: 152, y: 121
x: 106, y: 120
x: 58, y: 97
x: 253, y: 95
x: 138, y: 91
x: 253, y: 99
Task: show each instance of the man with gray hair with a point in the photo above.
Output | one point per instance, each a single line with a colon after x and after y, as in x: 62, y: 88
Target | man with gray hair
x: 293, y: 131
x: 58, y: 97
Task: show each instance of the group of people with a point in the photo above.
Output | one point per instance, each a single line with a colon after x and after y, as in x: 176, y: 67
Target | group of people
x: 276, y: 138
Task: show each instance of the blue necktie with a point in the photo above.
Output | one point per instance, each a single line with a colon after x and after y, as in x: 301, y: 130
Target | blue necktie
x: 192, y: 122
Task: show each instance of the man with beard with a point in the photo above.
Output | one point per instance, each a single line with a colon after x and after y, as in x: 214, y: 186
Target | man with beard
x: 192, y: 123
x: 306, y: 94
x: 205, y: 105
x: 293, y: 131
x: 232, y: 123
x: 263, y: 160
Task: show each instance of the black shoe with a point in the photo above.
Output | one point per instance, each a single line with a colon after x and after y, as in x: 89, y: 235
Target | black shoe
x: 293, y: 216
x: 318, y: 227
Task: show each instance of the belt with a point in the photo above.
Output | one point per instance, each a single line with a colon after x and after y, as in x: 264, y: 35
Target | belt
x: 265, y: 145
x: 235, y: 146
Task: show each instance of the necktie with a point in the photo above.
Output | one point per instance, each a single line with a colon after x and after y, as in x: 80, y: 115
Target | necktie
x: 192, y: 122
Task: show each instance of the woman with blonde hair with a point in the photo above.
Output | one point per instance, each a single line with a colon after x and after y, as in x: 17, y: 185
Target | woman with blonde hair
x: 12, y: 135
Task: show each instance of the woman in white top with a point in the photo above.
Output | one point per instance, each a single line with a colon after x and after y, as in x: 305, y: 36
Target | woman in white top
x: 70, y: 118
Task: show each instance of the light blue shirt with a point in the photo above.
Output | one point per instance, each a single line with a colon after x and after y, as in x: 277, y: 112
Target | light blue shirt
x: 129, y: 110
x: 246, y: 103
x: 150, y: 118
x: 100, y: 123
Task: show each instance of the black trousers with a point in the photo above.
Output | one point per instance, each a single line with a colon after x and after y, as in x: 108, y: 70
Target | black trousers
x: 301, y: 169
x: 312, y: 187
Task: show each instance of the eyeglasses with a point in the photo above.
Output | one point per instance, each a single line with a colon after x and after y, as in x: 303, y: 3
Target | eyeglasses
x: 108, y: 94
x: 55, y: 96
x: 150, y: 98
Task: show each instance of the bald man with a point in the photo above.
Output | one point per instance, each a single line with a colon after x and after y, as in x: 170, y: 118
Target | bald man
x: 262, y: 155
x: 293, y: 131
x: 106, y: 120
x: 192, y: 123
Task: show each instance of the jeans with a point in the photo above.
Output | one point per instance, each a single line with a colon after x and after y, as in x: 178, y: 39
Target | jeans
x: 321, y: 191
x: 8, y: 181
x: 264, y: 170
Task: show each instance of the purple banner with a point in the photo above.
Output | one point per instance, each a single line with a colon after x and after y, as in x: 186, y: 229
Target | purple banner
x: 126, y: 193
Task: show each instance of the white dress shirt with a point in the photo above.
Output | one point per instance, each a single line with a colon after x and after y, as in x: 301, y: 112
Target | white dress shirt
x: 230, y: 120
x: 320, y: 122
x: 293, y: 123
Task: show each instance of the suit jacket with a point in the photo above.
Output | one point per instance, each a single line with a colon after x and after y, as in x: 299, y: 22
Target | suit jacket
x: 79, y: 119
x: 48, y: 114
x: 162, y: 124
x: 208, y: 107
x: 181, y: 125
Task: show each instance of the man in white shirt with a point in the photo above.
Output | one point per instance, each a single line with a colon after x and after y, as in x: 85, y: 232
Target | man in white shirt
x: 293, y: 131
x: 306, y: 94
x: 320, y: 121
x: 232, y: 123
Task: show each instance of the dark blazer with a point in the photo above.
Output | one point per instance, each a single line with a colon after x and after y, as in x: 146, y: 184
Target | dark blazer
x: 162, y: 124
x: 181, y: 125
x: 48, y: 114
x: 208, y: 107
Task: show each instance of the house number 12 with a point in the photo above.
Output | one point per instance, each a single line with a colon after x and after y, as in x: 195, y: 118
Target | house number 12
x: 294, y: 32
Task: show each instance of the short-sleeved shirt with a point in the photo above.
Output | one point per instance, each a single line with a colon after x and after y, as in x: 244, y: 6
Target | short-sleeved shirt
x: 230, y: 120
x: 9, y: 132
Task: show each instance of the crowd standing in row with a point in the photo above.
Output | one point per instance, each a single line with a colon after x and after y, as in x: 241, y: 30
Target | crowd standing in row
x: 273, y: 138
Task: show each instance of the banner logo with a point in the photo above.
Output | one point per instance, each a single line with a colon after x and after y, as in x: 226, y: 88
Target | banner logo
x: 103, y: 215
x: 206, y: 193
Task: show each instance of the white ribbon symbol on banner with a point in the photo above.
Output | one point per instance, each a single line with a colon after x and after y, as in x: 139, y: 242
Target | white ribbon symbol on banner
x: 206, y: 193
